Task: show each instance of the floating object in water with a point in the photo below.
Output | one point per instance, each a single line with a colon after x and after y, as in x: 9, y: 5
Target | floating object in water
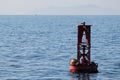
x: 83, y: 62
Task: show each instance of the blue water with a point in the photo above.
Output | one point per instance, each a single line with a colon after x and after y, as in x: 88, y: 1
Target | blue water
x: 40, y: 47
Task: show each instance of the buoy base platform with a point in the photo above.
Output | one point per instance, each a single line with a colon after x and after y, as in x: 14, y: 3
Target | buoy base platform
x: 76, y: 66
x: 91, y: 68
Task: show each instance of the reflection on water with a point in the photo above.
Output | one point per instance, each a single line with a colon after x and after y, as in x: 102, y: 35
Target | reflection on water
x: 85, y: 76
x: 80, y: 76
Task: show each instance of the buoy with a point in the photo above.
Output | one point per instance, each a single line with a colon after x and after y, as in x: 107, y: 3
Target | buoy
x: 83, y: 62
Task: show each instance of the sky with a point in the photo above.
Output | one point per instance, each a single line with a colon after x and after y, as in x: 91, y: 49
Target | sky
x: 59, y: 7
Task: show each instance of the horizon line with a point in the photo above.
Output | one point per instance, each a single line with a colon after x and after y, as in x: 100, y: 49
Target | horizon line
x: 59, y: 15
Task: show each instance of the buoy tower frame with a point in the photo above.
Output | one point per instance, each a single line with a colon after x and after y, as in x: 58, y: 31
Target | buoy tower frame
x: 83, y: 62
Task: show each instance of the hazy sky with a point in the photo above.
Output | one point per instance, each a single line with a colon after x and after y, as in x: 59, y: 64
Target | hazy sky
x: 60, y: 7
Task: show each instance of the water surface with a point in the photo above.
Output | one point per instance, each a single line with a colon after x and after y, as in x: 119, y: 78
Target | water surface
x: 40, y: 47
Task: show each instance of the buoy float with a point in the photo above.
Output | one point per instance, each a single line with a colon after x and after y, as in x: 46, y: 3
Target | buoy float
x: 83, y: 62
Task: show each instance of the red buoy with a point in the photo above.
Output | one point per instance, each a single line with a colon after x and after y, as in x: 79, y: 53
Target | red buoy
x: 83, y: 62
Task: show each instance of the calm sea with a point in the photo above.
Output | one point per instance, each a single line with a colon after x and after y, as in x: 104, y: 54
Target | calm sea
x: 40, y: 47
